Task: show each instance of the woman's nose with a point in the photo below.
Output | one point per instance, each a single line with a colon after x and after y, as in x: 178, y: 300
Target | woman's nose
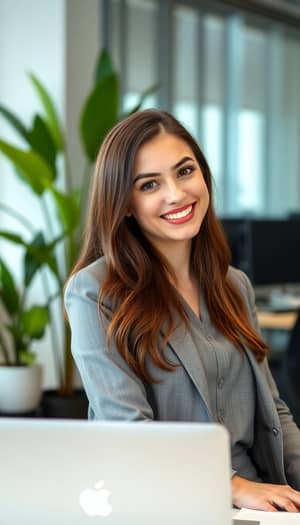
x: 174, y: 192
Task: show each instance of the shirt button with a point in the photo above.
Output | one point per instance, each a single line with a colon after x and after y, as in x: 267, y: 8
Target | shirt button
x: 221, y: 382
x: 275, y: 431
x: 209, y: 337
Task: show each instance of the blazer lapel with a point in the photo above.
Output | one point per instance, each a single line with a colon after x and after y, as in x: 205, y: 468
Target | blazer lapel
x: 183, y: 346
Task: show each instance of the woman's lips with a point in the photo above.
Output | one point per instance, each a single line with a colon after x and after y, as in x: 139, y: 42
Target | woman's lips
x: 181, y: 215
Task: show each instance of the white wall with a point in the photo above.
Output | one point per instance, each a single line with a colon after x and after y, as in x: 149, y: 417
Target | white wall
x: 58, y: 41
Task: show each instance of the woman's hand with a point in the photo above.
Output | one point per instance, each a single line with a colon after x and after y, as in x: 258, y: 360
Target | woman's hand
x: 264, y: 496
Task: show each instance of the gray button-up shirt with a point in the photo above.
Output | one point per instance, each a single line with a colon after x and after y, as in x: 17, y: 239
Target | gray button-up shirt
x: 231, y: 389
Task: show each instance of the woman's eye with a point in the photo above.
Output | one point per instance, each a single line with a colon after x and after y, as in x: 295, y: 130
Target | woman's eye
x: 187, y: 170
x: 150, y: 185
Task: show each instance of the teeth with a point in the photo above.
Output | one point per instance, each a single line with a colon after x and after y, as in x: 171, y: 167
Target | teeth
x: 180, y: 214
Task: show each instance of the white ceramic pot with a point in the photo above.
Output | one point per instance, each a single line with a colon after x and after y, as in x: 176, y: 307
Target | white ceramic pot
x: 20, y: 388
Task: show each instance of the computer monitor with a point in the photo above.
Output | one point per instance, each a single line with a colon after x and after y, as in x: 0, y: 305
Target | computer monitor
x: 267, y: 250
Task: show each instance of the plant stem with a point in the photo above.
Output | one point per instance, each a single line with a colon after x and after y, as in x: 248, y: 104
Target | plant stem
x: 4, y: 350
x: 66, y: 255
x: 68, y: 178
x: 68, y: 383
x: 50, y: 227
x: 53, y: 333
x: 20, y: 218
x: 85, y: 182
x: 46, y: 215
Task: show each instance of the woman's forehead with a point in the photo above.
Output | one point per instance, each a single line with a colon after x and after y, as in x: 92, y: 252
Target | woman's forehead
x: 161, y: 152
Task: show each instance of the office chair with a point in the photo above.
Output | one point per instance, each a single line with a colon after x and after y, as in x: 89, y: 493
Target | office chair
x: 290, y: 372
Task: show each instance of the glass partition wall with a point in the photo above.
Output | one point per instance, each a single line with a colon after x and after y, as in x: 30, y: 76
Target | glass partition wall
x: 232, y: 78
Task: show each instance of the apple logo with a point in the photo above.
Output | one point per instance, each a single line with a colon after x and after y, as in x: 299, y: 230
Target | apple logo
x: 94, y: 502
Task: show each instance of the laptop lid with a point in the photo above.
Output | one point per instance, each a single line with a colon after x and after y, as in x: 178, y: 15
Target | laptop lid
x: 60, y: 472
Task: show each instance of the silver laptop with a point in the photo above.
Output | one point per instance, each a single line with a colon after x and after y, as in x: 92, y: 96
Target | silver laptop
x: 100, y: 473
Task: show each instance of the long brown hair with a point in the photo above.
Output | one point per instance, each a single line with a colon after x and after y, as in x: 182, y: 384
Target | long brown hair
x: 138, y: 286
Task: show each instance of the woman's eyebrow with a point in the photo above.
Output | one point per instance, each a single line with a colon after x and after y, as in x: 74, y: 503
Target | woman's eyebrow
x: 156, y: 174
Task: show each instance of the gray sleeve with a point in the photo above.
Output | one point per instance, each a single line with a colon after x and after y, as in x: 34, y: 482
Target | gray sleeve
x: 290, y: 431
x: 113, y: 390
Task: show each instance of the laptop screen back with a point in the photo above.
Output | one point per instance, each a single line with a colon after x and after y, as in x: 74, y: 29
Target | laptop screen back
x: 79, y: 472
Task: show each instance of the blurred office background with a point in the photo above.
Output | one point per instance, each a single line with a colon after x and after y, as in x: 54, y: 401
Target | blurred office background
x: 229, y: 70
x: 233, y: 77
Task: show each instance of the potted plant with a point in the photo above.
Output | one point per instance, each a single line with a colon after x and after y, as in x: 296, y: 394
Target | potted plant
x: 39, y: 168
x: 20, y: 376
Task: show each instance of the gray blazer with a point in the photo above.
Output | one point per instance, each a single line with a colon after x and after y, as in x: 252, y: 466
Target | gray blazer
x: 116, y: 393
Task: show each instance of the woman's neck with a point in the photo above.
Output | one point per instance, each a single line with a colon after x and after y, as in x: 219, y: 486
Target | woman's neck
x: 178, y: 256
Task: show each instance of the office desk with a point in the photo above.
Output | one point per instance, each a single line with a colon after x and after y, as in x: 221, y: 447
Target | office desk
x: 266, y: 518
x: 276, y: 320
x: 276, y: 327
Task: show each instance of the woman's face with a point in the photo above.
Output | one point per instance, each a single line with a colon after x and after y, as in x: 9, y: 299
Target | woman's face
x: 169, y: 196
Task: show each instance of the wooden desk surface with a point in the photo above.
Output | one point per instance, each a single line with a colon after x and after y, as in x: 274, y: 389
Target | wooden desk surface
x: 276, y: 321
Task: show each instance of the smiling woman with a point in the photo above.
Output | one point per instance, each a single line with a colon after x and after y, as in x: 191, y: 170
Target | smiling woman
x: 163, y: 328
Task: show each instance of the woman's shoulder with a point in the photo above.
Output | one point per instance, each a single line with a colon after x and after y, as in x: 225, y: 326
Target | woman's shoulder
x: 240, y: 280
x: 87, y: 280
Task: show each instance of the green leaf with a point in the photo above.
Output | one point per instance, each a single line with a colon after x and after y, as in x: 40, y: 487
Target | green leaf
x: 99, y: 114
x: 104, y: 66
x: 30, y: 165
x: 51, y: 115
x: 68, y: 208
x: 42, y: 254
x: 13, y: 237
x: 15, y: 122
x: 8, y: 291
x: 143, y: 97
x: 41, y: 142
x: 31, y: 264
x: 34, y: 321
x: 26, y: 357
